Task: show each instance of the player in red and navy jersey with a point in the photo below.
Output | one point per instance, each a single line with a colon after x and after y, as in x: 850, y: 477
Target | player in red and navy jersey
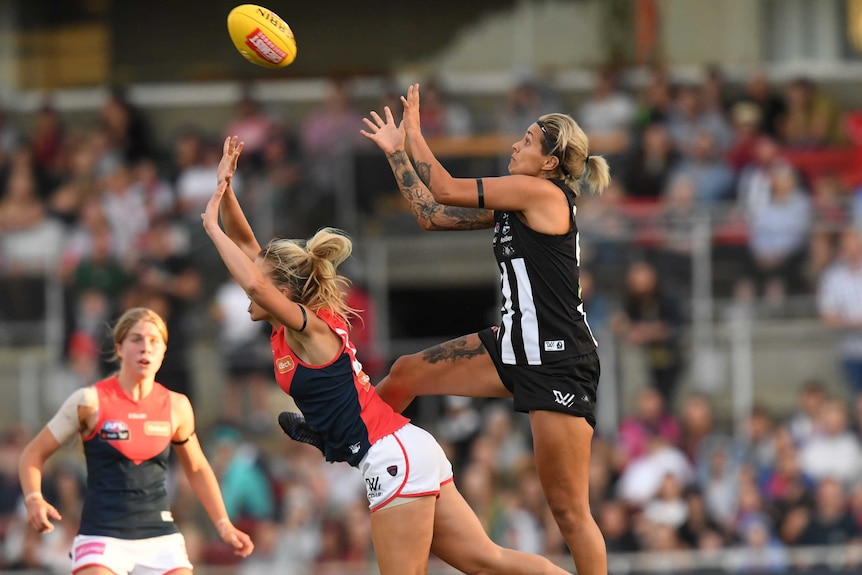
x: 294, y: 284
x: 128, y: 424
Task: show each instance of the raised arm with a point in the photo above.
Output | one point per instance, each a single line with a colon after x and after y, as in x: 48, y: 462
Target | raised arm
x: 430, y: 214
x: 236, y: 225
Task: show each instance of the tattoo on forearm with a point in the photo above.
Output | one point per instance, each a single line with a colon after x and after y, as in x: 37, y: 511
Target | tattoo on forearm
x: 422, y: 203
x: 424, y: 171
x: 453, y: 350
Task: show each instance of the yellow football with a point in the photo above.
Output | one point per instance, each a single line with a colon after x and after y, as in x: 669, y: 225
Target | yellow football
x: 261, y: 36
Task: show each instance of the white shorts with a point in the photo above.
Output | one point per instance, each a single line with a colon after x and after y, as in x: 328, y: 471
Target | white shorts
x: 151, y: 556
x: 407, y: 463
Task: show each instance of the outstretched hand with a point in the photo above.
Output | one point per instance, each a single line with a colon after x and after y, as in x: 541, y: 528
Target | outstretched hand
x: 388, y: 135
x: 210, y: 216
x: 411, y: 108
x: 230, y: 154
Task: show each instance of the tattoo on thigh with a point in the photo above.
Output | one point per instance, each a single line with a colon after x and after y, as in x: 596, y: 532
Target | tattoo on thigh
x: 453, y: 350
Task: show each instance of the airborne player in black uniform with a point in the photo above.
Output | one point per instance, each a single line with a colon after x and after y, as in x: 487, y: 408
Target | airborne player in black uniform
x: 542, y: 352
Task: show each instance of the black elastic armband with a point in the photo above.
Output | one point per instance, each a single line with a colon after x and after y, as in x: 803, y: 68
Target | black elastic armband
x: 304, y: 319
x: 480, y: 188
x: 184, y: 441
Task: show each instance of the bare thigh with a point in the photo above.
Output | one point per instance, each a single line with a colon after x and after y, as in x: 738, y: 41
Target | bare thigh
x: 460, y: 366
x: 402, y: 537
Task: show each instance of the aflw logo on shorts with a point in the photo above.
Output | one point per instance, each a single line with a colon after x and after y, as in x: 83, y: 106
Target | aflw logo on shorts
x: 567, y: 399
x: 373, y: 487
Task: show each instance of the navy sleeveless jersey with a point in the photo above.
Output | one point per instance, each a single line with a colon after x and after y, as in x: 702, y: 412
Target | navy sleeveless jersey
x: 543, y: 318
x: 337, y: 399
x: 127, y: 455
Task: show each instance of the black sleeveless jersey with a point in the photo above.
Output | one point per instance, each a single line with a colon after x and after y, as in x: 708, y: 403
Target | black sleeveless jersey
x: 543, y: 318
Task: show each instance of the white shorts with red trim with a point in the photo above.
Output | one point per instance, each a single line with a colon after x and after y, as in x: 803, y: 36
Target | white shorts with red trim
x: 408, y: 463
x: 151, y: 556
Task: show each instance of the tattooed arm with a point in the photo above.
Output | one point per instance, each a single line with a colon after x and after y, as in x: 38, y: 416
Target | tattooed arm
x: 430, y: 214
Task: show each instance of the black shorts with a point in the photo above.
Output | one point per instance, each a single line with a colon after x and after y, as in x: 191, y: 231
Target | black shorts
x: 567, y: 386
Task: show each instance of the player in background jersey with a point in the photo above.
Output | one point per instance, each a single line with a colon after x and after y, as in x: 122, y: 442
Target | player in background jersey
x: 295, y: 285
x: 542, y: 353
x: 128, y: 424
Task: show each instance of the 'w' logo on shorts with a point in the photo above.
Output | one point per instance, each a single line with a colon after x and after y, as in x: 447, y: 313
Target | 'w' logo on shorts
x: 565, y: 399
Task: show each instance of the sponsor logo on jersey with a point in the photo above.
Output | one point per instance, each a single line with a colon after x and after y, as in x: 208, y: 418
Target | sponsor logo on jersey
x: 137, y: 416
x: 392, y: 470
x: 364, y: 380
x: 91, y: 548
x: 284, y: 364
x: 162, y: 428
x: 555, y: 345
x: 167, y: 516
x: 354, y: 449
x: 114, y: 430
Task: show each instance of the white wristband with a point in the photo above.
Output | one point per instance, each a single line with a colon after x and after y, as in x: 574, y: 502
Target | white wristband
x: 32, y: 495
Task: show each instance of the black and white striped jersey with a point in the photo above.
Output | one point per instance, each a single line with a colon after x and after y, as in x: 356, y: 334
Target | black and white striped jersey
x: 543, y: 318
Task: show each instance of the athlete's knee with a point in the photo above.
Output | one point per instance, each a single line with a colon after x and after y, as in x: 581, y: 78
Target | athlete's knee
x: 486, y: 562
x: 403, y: 372
x: 570, y: 514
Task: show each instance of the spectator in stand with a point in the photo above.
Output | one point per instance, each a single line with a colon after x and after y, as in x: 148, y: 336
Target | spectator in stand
x: 195, y: 159
x: 641, y: 480
x: 757, y: 446
x: 246, y: 487
x: 651, y: 320
x: 654, y: 161
x: 700, y: 438
x: 651, y: 418
x: 48, y: 139
x: 778, y: 237
x: 607, y: 116
x: 675, y: 227
x: 812, y: 119
x: 159, y: 199
x: 713, y: 179
x: 168, y: 282
x: 689, y: 118
x: 771, y: 106
x: 745, y: 121
x: 836, y: 452
x: 655, y: 101
x: 668, y: 507
x: 125, y: 208
x: 251, y: 126
x: 831, y: 522
x: 605, y: 231
x: 803, y: 423
x: 126, y: 128
x: 831, y: 213
x: 442, y: 117
x: 613, y: 518
x: 839, y: 303
x: 525, y: 102
x: 786, y: 487
x: 246, y: 354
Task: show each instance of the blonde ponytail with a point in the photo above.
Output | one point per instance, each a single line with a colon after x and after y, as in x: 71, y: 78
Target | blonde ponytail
x: 570, y: 145
x: 597, y: 174
x: 309, y: 269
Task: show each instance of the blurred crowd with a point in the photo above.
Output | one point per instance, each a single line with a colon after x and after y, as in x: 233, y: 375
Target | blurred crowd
x: 766, y: 173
